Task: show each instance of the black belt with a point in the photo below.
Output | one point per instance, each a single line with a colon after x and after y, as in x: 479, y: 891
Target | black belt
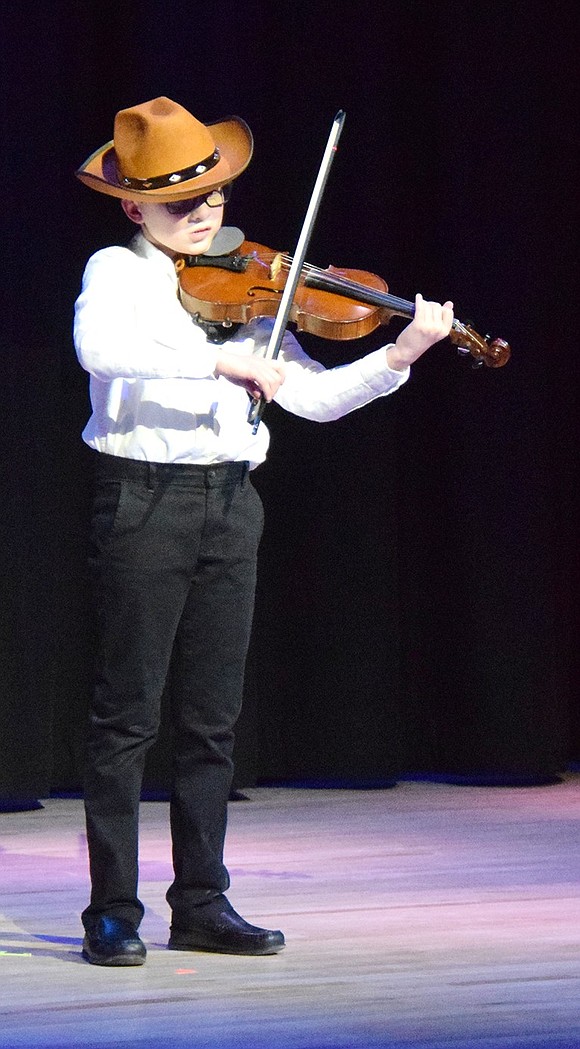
x: 118, y: 468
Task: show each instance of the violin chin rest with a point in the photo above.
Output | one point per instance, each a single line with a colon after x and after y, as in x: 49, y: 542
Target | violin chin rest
x: 226, y: 240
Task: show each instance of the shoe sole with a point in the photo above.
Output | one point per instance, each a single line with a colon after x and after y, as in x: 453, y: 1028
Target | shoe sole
x: 260, y: 952
x: 115, y: 960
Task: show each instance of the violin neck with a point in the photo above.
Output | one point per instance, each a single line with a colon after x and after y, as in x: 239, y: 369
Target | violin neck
x: 350, y: 289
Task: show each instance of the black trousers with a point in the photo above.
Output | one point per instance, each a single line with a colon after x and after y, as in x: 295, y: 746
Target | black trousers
x: 174, y: 562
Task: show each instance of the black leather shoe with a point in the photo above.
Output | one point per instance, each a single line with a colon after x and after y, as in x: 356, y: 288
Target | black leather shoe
x: 113, y: 941
x: 215, y: 926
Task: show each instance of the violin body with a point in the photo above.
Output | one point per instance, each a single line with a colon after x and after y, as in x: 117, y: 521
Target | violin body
x: 334, y: 303
x: 227, y: 296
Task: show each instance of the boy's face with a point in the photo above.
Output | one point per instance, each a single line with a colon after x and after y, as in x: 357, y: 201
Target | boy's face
x: 190, y: 233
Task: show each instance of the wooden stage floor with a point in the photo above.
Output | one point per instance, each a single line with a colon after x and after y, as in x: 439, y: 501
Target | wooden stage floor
x: 426, y: 916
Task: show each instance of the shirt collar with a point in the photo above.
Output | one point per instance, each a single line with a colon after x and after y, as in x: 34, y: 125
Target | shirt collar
x: 146, y: 250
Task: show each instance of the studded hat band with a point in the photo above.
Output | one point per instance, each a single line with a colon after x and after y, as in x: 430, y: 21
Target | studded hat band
x: 175, y: 178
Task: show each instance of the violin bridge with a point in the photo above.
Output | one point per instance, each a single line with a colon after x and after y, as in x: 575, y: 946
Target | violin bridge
x: 275, y: 266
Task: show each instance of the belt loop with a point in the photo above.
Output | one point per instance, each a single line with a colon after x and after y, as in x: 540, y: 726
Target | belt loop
x: 245, y: 473
x: 150, y: 477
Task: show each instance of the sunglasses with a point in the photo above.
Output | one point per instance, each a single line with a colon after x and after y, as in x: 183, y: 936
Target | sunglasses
x: 214, y: 199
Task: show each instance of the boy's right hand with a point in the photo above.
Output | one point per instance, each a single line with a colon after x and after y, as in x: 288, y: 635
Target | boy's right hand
x: 260, y: 377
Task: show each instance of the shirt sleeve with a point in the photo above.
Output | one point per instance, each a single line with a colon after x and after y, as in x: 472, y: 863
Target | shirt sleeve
x: 323, y: 394
x: 130, y: 324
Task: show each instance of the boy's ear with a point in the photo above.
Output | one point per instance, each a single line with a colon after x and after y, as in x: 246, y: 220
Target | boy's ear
x: 132, y: 211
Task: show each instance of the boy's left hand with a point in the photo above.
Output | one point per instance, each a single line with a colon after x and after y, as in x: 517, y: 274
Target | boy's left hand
x: 431, y: 323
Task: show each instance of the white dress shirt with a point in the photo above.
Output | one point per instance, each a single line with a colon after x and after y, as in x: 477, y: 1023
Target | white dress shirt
x: 154, y: 392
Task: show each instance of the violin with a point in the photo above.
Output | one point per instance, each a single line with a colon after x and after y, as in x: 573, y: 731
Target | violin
x: 332, y: 303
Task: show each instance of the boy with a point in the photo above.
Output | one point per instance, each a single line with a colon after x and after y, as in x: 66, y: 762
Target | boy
x: 176, y: 521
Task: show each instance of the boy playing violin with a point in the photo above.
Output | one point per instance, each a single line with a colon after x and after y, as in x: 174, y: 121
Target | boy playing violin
x: 176, y: 520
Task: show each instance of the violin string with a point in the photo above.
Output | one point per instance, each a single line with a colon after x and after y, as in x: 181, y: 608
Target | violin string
x: 393, y: 300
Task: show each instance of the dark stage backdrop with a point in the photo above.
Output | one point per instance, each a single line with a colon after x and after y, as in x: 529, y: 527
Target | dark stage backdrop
x: 416, y: 608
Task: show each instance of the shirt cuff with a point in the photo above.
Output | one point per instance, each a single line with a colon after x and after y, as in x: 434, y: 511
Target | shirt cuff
x: 376, y: 372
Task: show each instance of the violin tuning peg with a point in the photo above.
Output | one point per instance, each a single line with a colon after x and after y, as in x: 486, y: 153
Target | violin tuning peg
x: 462, y: 351
x: 477, y: 363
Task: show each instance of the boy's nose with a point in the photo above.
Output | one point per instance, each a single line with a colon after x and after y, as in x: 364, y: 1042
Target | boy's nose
x: 199, y: 212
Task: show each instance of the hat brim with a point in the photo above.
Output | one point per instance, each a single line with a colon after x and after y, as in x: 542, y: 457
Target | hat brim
x: 232, y: 137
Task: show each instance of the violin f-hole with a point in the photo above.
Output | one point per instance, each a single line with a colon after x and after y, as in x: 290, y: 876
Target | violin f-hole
x: 256, y: 288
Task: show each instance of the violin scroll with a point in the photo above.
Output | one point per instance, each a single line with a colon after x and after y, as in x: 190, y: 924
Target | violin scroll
x: 498, y: 353
x: 494, y: 353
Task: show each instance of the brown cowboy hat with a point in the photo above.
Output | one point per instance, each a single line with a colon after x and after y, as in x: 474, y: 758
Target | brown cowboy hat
x: 160, y: 152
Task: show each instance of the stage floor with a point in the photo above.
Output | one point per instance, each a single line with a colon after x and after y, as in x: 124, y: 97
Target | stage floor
x: 429, y: 915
